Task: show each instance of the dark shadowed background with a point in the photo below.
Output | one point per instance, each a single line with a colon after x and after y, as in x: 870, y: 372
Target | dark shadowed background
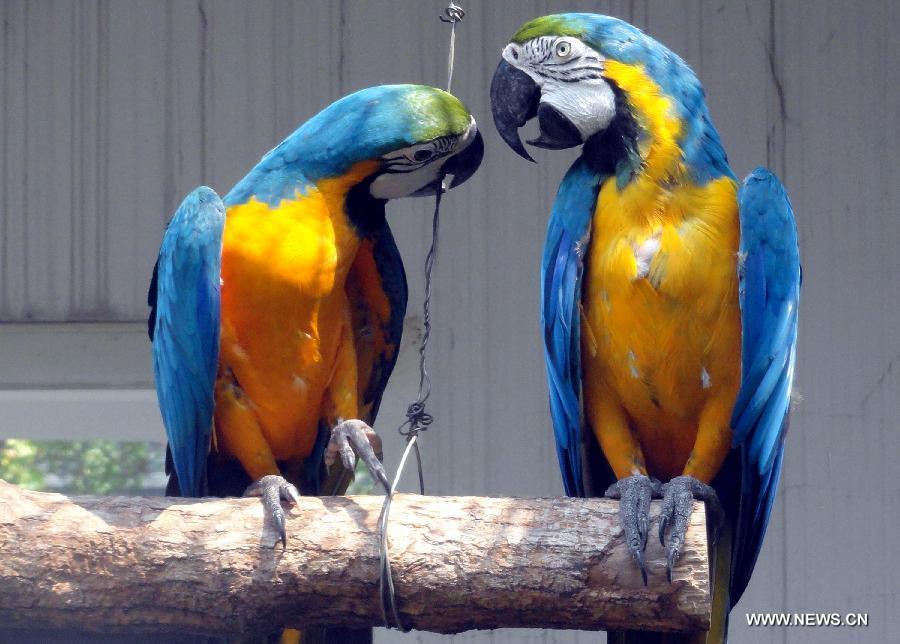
x: 113, y: 110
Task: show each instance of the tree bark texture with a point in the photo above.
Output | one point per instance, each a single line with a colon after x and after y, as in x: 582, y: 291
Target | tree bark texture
x: 152, y: 564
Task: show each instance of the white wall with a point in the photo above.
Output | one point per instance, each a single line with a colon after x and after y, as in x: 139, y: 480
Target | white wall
x: 113, y: 110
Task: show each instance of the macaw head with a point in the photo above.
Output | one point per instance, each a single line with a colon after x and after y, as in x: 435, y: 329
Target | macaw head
x: 595, y: 79
x: 419, y: 135
x: 393, y: 140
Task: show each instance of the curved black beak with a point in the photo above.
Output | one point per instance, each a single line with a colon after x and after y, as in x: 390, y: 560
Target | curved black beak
x: 463, y: 165
x: 514, y: 101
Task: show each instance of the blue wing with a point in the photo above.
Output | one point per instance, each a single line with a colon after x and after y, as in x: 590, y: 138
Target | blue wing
x: 568, y: 234
x: 769, y: 294
x: 184, y: 328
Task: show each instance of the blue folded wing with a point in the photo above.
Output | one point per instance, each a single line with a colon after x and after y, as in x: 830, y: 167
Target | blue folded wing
x: 184, y: 328
x: 568, y: 234
x: 770, y: 295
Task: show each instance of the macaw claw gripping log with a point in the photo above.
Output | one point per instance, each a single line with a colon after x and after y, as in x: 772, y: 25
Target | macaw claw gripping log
x: 276, y: 312
x: 669, y: 292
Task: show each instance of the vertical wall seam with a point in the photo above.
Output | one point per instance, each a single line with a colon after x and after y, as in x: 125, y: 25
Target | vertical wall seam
x: 775, y: 136
x: 204, y: 43
x: 74, y: 146
x: 341, y: 46
x: 103, y: 156
x: 169, y: 161
x: 25, y: 179
x: 4, y: 169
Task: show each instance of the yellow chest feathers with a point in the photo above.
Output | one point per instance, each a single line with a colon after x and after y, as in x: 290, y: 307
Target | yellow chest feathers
x: 680, y: 241
x: 660, y: 292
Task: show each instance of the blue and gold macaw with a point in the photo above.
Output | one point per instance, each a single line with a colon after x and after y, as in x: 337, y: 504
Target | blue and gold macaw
x: 277, y: 312
x: 669, y: 293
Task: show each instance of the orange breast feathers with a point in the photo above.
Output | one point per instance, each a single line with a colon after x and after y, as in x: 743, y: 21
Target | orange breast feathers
x: 662, y: 337
x: 287, y: 356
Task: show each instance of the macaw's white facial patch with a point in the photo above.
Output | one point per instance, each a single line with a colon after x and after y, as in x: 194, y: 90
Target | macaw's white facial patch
x: 412, y: 170
x: 569, y: 74
x: 590, y: 105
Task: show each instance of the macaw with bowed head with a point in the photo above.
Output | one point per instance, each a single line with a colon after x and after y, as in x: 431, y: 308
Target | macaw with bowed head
x: 669, y: 293
x: 277, y: 312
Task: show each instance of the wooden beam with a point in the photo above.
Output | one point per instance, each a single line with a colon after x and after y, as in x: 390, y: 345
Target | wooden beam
x: 152, y: 564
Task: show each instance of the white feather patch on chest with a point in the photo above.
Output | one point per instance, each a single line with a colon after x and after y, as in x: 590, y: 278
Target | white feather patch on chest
x: 644, y: 254
x: 299, y: 384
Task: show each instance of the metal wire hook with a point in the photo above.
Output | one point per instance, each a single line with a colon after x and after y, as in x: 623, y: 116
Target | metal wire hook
x: 452, y: 14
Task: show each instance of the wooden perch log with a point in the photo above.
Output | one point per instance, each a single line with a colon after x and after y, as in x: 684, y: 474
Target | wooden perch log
x: 134, y: 564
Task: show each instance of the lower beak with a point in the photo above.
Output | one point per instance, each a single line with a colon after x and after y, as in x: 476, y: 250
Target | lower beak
x: 460, y: 166
x: 514, y: 101
x: 557, y: 132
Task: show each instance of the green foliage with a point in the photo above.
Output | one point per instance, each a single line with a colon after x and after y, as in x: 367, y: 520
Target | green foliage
x: 362, y: 481
x: 83, y: 467
x: 104, y: 467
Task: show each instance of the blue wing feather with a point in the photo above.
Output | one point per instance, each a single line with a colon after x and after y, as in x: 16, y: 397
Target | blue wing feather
x: 770, y: 293
x: 184, y: 328
x: 561, y: 272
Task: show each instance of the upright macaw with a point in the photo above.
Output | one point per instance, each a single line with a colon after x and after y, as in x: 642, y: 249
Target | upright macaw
x: 277, y: 312
x: 669, y: 293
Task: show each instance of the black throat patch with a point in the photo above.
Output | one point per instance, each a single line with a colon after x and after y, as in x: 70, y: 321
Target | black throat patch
x: 365, y: 212
x: 614, y: 151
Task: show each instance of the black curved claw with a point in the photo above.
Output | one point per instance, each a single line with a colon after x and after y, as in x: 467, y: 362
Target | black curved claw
x: 671, y: 557
x: 678, y: 502
x: 352, y: 437
x: 635, y: 493
x: 273, y: 489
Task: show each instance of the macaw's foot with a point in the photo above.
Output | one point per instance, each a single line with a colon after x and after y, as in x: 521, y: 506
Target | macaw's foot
x: 354, y: 437
x: 635, y: 493
x: 273, y: 489
x: 678, y: 501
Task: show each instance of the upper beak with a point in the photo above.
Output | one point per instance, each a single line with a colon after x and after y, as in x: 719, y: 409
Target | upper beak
x: 463, y: 165
x: 514, y: 100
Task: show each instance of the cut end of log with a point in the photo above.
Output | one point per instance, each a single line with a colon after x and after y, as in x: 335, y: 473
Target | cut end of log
x: 211, y: 566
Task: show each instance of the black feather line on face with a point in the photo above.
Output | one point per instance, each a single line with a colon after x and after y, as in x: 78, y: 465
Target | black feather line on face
x: 571, y: 71
x: 440, y: 147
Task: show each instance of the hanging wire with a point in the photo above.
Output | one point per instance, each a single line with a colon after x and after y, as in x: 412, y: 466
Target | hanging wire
x: 452, y: 14
x: 417, y: 419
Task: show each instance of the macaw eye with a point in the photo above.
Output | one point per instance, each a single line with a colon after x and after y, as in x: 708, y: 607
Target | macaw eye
x: 563, y: 49
x: 422, y: 155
